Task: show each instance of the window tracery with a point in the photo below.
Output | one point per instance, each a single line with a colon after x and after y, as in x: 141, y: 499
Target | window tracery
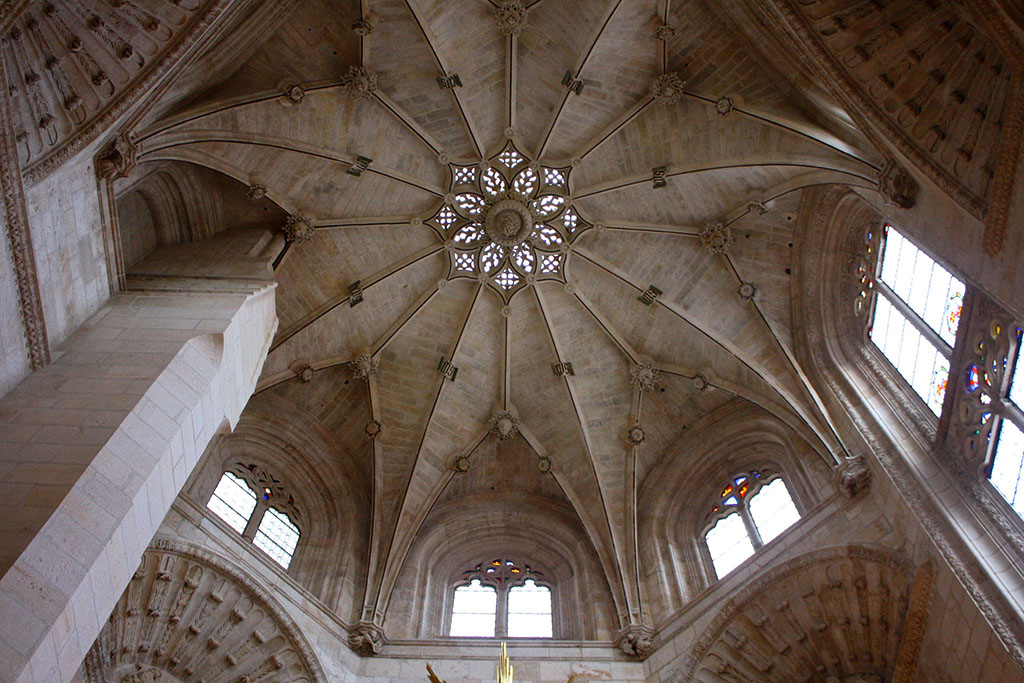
x: 912, y: 307
x: 989, y: 405
x: 752, y: 509
x: 504, y: 598
x: 256, y: 504
x: 508, y: 221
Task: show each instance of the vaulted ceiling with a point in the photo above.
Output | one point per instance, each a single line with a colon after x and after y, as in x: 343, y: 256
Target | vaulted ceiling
x: 685, y: 156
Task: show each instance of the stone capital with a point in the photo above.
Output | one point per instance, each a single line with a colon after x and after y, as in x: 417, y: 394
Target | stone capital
x: 636, y: 640
x: 367, y: 638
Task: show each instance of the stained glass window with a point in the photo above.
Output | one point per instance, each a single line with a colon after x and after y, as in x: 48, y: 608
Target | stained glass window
x: 752, y: 509
x: 235, y: 501
x: 993, y: 379
x: 917, y: 313
x: 473, y: 610
x: 502, y: 597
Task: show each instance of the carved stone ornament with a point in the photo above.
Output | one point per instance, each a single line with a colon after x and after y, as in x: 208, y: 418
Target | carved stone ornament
x: 365, y: 366
x: 359, y: 82
x: 292, y: 94
x: 544, y: 464
x: 665, y: 32
x: 636, y: 640
x: 644, y: 375
x: 461, y: 464
x: 305, y: 373
x: 256, y: 192
x: 187, y: 615
x: 366, y: 638
x: 853, y: 476
x: 297, y: 228
x: 636, y: 435
x: 724, y: 105
x: 117, y: 159
x: 716, y: 238
x: 503, y: 424
x: 700, y: 383
x: 363, y: 26
x: 668, y: 88
x: 747, y: 291
x: 372, y: 429
x: 897, y: 186
x: 757, y: 207
x: 512, y: 18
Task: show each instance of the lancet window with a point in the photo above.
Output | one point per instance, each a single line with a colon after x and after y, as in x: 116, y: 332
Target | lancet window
x: 752, y: 509
x: 502, y: 598
x: 916, y: 313
x: 255, y: 503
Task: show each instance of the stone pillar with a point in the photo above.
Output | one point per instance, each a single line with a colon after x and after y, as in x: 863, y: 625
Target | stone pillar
x: 95, y: 447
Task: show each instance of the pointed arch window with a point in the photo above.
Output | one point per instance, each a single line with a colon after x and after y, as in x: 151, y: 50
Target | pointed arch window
x: 752, y: 509
x: 916, y: 313
x: 255, y: 503
x: 503, y: 598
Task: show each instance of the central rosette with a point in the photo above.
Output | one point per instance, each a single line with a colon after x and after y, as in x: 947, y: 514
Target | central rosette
x: 508, y: 221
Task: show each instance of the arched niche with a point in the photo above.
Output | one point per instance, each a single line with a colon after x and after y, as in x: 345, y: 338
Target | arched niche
x: 680, y: 490
x: 188, y: 615
x: 503, y: 506
x: 329, y: 487
x: 165, y: 203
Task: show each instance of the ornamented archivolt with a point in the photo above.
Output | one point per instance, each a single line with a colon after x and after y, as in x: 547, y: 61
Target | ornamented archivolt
x: 183, y: 618
x: 836, y: 613
x: 73, y: 65
x: 508, y: 222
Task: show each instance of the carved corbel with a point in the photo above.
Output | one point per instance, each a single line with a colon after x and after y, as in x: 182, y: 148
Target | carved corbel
x: 367, y: 638
x: 853, y: 475
x: 117, y: 159
x: 636, y: 640
x: 897, y: 186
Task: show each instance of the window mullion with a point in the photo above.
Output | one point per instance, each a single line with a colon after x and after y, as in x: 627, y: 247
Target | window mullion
x: 501, y: 614
x: 1011, y: 411
x: 752, y: 532
x: 917, y: 321
x: 254, y: 521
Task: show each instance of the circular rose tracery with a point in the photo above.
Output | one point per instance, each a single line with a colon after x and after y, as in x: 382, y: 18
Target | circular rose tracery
x: 508, y: 221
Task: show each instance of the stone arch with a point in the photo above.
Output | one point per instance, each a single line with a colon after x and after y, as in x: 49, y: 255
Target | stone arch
x: 189, y: 614
x: 735, y: 437
x: 331, y: 552
x: 460, y: 532
x: 840, y: 611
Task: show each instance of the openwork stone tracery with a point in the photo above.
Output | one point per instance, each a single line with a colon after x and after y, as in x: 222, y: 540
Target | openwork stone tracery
x: 508, y: 221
